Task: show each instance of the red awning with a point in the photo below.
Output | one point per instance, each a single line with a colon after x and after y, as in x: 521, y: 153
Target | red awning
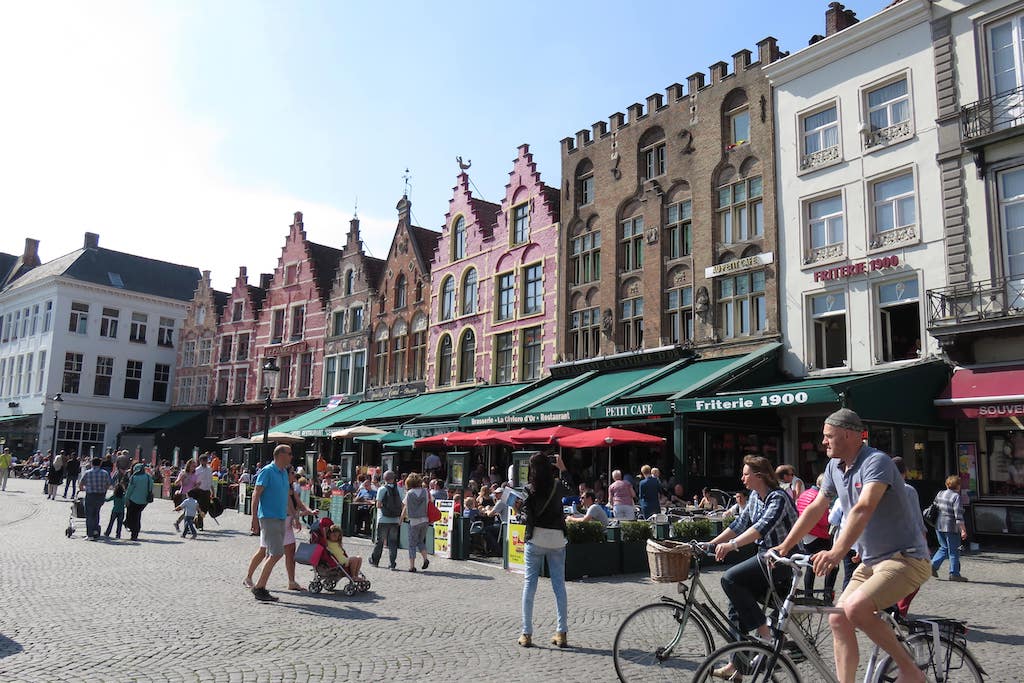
x: 984, y: 392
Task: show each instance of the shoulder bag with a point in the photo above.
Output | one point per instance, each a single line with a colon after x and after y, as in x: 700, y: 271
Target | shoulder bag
x: 433, y: 514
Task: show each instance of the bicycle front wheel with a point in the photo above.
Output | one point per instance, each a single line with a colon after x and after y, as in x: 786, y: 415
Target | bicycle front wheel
x: 654, y: 644
x: 753, y: 662
x: 952, y: 662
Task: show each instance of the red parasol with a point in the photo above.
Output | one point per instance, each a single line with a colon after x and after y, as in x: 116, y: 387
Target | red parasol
x: 609, y: 436
x: 439, y: 440
x: 547, y: 436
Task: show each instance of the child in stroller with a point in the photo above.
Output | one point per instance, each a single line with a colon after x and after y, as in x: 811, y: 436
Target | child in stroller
x: 332, y: 564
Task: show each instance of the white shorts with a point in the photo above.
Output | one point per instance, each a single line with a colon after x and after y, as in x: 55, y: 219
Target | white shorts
x: 624, y: 512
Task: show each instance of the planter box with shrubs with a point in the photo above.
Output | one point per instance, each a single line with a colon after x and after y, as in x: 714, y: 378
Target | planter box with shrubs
x: 634, y: 546
x: 587, y: 553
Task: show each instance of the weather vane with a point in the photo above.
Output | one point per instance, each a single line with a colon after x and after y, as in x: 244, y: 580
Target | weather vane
x: 464, y: 166
x: 406, y: 177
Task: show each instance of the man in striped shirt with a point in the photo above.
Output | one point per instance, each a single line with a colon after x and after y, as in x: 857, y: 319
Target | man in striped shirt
x: 95, y: 483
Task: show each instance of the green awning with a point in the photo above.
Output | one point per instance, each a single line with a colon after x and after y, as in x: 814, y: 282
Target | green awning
x: 12, y: 418
x: 901, y: 395
x: 468, y: 402
x: 169, y: 420
x: 507, y: 412
x: 349, y: 414
x: 600, y: 388
x: 406, y: 444
x: 418, y: 405
x: 294, y: 424
x: 386, y: 437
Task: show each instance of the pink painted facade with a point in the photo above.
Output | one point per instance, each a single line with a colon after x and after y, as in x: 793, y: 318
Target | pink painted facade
x: 291, y: 325
x: 493, y: 284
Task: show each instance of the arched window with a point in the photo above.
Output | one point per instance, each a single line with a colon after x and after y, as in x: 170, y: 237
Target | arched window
x: 467, y: 357
x: 444, y: 362
x: 380, y: 355
x: 652, y: 153
x: 584, y: 183
x: 459, y: 239
x: 350, y: 281
x: 419, y: 347
x: 469, y: 292
x: 447, y: 309
x: 399, y: 351
x: 400, y: 291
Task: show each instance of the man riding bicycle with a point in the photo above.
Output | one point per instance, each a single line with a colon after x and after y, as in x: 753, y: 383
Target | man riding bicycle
x: 878, y: 518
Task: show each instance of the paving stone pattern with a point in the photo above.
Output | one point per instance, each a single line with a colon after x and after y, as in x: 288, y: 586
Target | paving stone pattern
x: 173, y: 609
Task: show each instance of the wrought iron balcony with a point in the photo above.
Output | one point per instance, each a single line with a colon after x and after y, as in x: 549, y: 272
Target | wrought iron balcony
x: 995, y: 114
x: 985, y: 301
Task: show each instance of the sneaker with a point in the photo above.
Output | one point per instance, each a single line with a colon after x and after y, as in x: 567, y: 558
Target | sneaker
x: 958, y: 578
x: 263, y: 595
x: 426, y: 563
x: 935, y: 573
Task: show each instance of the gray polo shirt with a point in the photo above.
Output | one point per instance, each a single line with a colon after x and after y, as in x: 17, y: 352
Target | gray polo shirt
x: 892, y: 528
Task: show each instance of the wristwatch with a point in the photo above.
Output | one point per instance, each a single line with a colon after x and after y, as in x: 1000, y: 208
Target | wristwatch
x: 735, y: 546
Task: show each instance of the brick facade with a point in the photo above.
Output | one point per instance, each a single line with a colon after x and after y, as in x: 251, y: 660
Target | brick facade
x: 400, y: 311
x: 645, y: 200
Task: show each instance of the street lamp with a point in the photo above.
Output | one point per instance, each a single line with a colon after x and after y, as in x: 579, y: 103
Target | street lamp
x: 56, y: 400
x: 270, y: 372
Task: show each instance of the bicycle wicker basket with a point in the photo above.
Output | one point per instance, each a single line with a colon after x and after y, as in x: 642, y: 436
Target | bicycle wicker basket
x: 669, y: 561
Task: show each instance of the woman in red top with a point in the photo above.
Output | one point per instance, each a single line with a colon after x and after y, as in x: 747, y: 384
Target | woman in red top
x: 816, y: 541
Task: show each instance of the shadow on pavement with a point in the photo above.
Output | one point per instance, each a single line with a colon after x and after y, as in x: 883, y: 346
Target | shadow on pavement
x: 345, y: 610
x: 450, y: 575
x: 9, y: 647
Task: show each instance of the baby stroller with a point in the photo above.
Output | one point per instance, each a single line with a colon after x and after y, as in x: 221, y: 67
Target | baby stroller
x: 326, y: 570
x: 77, y: 516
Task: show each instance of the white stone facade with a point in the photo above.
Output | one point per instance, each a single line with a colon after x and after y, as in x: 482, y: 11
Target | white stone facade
x: 859, y: 210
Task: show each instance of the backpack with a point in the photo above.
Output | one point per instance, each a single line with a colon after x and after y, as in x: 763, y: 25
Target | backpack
x: 391, y: 505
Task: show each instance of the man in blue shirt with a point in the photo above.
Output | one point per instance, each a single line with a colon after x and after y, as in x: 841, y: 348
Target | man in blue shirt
x: 270, y: 502
x: 650, y: 487
x: 388, y: 521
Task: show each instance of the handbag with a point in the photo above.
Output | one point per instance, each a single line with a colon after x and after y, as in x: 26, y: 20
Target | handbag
x: 433, y: 514
x: 931, y: 514
x: 149, y: 490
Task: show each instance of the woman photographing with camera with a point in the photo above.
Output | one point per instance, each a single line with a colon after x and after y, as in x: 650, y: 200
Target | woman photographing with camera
x: 545, y: 538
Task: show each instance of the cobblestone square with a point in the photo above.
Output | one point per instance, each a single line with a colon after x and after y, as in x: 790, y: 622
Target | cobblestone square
x: 171, y: 609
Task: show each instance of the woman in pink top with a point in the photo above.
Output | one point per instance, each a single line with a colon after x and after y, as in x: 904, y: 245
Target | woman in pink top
x: 621, y: 497
x: 816, y: 541
x: 186, y: 481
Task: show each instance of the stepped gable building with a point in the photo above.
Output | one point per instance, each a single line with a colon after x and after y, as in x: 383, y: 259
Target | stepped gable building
x: 291, y: 327
x: 519, y: 342
x: 232, y: 359
x: 348, y: 319
x: 98, y: 327
x: 460, y: 263
x: 401, y: 311
x: 196, y: 371
x: 671, y: 230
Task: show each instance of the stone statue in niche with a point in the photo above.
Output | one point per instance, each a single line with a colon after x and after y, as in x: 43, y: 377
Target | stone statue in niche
x: 652, y: 234
x: 616, y: 173
x: 703, y: 301
x: 687, y: 136
x: 403, y: 246
x: 607, y: 321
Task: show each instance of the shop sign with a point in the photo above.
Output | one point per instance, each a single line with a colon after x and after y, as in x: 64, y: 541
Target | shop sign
x: 770, y: 399
x: 858, y: 268
x: 740, y: 264
x: 1001, y: 410
x: 520, y: 419
x: 632, y: 410
x: 516, y: 548
x: 443, y: 528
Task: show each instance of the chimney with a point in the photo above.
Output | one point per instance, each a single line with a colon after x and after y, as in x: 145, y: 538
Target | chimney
x: 740, y: 61
x: 617, y: 120
x: 243, y: 273
x: 206, y: 277
x: 655, y: 102
x: 265, y: 279
x: 92, y: 240
x: 675, y: 92
x: 718, y: 71
x: 31, y: 254
x: 695, y: 82
x: 838, y: 18
x: 767, y: 50
x: 598, y: 130
x: 404, y: 208
x: 582, y: 138
x: 635, y: 111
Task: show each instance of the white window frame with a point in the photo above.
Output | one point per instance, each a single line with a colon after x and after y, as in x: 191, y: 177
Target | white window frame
x: 824, y: 156
x: 879, y: 317
x: 901, y: 234
x: 816, y: 321
x: 814, y: 256
x: 894, y: 133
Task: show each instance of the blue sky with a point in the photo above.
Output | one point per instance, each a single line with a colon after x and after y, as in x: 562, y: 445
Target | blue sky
x: 190, y: 131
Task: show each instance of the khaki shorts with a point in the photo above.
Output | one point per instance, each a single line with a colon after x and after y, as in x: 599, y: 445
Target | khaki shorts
x: 889, y: 581
x: 272, y: 536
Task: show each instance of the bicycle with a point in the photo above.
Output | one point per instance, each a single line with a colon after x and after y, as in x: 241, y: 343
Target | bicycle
x: 938, y: 646
x: 668, y: 640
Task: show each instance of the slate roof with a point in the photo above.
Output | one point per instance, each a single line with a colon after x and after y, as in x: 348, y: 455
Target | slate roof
x: 554, y: 198
x: 7, y: 262
x: 374, y: 270
x: 220, y: 302
x: 256, y: 295
x: 119, y: 270
x: 426, y: 242
x: 486, y: 213
x: 325, y: 265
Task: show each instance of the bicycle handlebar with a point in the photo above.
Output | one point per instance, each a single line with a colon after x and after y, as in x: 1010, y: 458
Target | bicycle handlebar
x: 797, y: 560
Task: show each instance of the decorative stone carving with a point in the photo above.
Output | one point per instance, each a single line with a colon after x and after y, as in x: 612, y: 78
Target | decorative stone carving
x: 891, y: 238
x: 819, y: 158
x: 688, y: 146
x: 634, y: 289
x: 702, y: 302
x: 886, y: 136
x: 652, y: 234
x: 607, y: 322
x: 826, y: 253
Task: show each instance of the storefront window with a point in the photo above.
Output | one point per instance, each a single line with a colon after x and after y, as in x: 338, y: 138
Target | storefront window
x: 924, y: 454
x: 724, y: 451
x: 1005, y: 460
x: 811, y: 457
